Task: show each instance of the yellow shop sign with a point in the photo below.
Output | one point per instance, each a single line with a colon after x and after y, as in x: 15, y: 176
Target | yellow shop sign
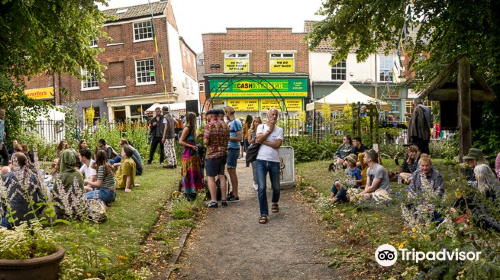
x: 40, y: 93
x: 251, y: 105
x: 235, y: 65
x: 281, y: 65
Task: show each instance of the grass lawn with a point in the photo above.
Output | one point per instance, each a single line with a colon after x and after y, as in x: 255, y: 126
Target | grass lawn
x: 359, y: 230
x: 118, y: 240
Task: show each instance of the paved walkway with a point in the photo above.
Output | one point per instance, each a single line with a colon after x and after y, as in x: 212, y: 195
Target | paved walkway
x: 230, y: 243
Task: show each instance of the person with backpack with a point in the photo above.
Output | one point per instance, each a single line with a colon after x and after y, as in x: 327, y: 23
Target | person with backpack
x: 419, y: 131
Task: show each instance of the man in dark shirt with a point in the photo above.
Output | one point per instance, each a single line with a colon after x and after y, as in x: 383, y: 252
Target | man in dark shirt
x: 156, y: 131
x: 359, y: 147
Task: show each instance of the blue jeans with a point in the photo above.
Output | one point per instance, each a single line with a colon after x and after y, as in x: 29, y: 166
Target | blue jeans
x: 103, y: 194
x: 254, y: 171
x: 263, y: 167
x: 232, y: 157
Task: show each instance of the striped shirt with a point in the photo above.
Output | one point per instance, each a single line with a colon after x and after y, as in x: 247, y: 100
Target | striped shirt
x: 108, y: 180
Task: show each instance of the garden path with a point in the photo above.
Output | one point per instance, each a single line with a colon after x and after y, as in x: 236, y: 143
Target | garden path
x: 230, y: 243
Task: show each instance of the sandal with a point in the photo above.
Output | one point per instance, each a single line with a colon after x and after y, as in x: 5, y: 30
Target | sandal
x: 263, y: 220
x: 275, y: 208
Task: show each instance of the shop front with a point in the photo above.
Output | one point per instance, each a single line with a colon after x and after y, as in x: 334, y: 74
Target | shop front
x: 254, y: 95
x: 134, y: 107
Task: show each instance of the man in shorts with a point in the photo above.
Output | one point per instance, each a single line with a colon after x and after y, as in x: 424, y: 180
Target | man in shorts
x: 233, y: 150
x: 215, y: 137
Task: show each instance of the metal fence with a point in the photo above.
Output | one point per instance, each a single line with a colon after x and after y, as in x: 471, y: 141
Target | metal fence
x: 50, y: 131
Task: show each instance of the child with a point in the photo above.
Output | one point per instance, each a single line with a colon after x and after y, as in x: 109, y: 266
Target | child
x: 339, y: 193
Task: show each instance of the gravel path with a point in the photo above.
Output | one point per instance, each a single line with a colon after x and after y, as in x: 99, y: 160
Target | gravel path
x: 230, y: 243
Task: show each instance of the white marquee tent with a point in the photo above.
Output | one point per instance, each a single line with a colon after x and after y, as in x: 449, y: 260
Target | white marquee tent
x: 346, y: 94
x: 175, y: 108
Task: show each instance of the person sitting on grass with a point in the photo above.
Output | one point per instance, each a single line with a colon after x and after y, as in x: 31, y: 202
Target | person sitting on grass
x: 63, y: 145
x: 105, y: 184
x: 377, y: 183
x: 125, y: 176
x: 474, y: 158
x: 339, y: 193
x: 29, y: 154
x: 86, y: 169
x: 411, y: 163
x: 426, y: 176
x: 482, y: 203
x: 344, y: 150
x: 68, y: 192
x: 403, y: 168
x: 23, y: 190
x: 136, y: 157
x: 111, y: 154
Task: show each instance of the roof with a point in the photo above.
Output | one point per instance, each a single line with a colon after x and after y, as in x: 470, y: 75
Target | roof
x: 324, y: 45
x: 138, y: 11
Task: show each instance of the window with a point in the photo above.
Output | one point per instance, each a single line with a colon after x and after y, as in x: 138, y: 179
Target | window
x: 145, y: 72
x: 395, y: 106
x: 93, y: 42
x: 143, y: 31
x: 202, y: 86
x: 115, y: 32
x: 236, y: 62
x: 409, y: 109
x: 201, y: 62
x: 281, y: 62
x: 90, y: 82
x: 339, y: 71
x: 393, y: 93
x: 386, y: 69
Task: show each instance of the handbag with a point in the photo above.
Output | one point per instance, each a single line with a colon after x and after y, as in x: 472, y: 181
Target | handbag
x: 252, y: 152
x: 97, y: 210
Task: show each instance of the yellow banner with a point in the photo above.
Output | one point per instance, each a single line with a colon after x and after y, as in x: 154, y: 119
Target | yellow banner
x: 40, y: 93
x: 281, y: 65
x: 293, y: 104
x: 265, y: 104
x: 244, y: 104
x: 259, y: 94
x: 235, y: 65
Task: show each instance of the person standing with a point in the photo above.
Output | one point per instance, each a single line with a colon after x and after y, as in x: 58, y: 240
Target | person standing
x: 216, y: 138
x: 192, y: 178
x: 3, y: 148
x: 270, y: 137
x: 156, y: 131
x: 419, y: 127
x: 233, y: 150
x: 246, y: 127
x: 169, y: 138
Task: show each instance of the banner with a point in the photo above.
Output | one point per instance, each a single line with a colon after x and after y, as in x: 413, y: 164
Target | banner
x: 281, y: 65
x: 266, y: 104
x: 293, y: 104
x: 236, y: 65
x: 222, y: 88
x: 244, y: 104
x: 40, y: 93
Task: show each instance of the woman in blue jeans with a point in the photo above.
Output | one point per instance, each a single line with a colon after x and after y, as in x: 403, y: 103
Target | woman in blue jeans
x: 104, y: 186
x: 252, y: 134
x: 268, y: 160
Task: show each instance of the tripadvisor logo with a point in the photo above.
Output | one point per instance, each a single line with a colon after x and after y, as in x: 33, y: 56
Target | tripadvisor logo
x: 387, y: 255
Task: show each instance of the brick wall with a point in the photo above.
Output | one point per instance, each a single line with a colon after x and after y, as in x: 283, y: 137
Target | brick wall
x: 259, y: 41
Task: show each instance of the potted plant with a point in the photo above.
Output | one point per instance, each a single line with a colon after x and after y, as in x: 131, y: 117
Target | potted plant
x: 28, y: 250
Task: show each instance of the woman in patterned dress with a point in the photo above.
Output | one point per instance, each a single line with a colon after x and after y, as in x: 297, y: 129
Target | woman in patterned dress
x: 192, y: 178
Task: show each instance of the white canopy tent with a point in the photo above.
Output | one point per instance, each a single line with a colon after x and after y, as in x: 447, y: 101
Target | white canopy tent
x: 175, y: 108
x: 346, y: 94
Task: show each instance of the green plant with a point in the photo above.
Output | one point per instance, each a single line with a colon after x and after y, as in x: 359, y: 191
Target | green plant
x: 27, y: 241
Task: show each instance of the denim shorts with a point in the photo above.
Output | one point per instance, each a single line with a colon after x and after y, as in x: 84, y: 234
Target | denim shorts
x: 215, y: 166
x: 232, y: 157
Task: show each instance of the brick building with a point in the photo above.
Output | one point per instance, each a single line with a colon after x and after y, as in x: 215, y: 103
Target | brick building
x: 133, y: 74
x: 243, y: 66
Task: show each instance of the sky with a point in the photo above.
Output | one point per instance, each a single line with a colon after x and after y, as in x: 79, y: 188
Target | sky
x: 196, y: 17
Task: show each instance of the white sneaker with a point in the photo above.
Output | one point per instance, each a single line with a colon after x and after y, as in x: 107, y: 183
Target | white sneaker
x: 255, y: 186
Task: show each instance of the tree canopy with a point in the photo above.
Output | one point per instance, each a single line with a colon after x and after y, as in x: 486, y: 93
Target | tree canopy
x: 45, y: 35
x: 442, y: 29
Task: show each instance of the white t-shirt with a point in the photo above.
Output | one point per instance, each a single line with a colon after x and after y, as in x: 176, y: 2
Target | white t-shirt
x: 266, y: 152
x: 87, y: 170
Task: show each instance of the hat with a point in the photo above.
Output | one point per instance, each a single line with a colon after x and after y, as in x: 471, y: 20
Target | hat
x: 229, y: 109
x: 407, y: 145
x: 475, y: 153
x: 351, y: 158
x: 413, y: 148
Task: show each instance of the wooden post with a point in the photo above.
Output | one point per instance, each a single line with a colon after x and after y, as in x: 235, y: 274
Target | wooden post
x: 464, y: 106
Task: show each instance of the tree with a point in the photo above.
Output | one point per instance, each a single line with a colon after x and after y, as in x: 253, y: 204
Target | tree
x: 38, y: 36
x: 444, y: 30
